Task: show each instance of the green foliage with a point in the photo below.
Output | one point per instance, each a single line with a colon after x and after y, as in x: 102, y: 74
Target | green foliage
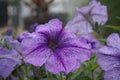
x: 88, y: 71
x: 113, y: 11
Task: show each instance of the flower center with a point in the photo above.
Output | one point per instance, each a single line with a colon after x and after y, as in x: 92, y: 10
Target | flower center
x: 52, y: 44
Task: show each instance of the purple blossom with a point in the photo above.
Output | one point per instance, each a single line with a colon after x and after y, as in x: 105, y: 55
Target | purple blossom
x: 8, y: 60
x: 9, y: 57
x: 11, y: 43
x: 87, y: 16
x: 54, y: 47
x: 9, y: 32
x: 33, y: 27
x: 109, y: 58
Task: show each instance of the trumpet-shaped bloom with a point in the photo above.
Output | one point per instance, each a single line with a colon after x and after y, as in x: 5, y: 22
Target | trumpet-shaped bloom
x: 109, y: 58
x: 87, y: 16
x: 56, y: 48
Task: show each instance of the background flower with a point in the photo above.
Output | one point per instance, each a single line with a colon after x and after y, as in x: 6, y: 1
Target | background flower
x: 87, y: 16
x: 109, y: 57
x: 8, y: 60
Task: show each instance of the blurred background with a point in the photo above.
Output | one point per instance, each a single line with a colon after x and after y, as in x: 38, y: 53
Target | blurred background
x: 21, y: 14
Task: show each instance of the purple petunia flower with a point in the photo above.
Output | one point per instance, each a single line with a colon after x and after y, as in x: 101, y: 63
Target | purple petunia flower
x: 9, y: 57
x: 56, y: 48
x: 9, y: 32
x: 10, y: 42
x: 87, y: 16
x: 8, y: 60
x: 109, y: 58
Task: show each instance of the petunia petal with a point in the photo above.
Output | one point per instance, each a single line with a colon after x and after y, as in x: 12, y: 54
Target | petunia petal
x: 52, y: 28
x: 35, y: 51
x: 113, y: 74
x: 79, y: 25
x: 110, y: 51
x: 8, y: 60
x: 69, y: 39
x: 62, y: 63
x: 108, y: 62
x: 29, y: 44
x: 99, y: 14
x: 114, y: 40
x: 78, y: 53
x: 23, y: 36
x: 38, y: 56
x: 5, y: 71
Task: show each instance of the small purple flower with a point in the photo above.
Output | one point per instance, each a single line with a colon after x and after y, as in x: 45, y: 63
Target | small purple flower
x: 8, y: 60
x: 11, y: 43
x: 56, y: 48
x: 33, y: 27
x: 109, y: 58
x: 9, y: 57
x: 9, y: 32
x: 87, y: 16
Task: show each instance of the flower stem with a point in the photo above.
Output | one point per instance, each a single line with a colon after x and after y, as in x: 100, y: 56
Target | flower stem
x: 68, y: 76
x: 61, y: 76
x: 92, y: 75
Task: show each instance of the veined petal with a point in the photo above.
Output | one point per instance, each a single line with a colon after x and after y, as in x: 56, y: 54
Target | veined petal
x: 113, y: 74
x: 51, y: 29
x: 5, y: 71
x: 108, y: 62
x: 69, y: 39
x: 114, y: 40
x: 54, y: 64
x: 59, y: 62
x: 78, y: 53
x: 109, y: 51
x: 24, y: 35
x: 38, y: 56
x: 8, y: 61
x: 29, y: 44
x: 79, y: 25
x: 99, y: 14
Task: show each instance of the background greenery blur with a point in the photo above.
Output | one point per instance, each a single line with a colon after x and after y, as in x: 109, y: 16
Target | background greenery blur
x: 113, y: 24
x: 21, y: 14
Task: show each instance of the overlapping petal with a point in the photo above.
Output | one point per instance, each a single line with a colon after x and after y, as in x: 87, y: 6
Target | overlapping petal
x: 113, y: 74
x: 8, y: 60
x: 108, y: 62
x: 113, y: 40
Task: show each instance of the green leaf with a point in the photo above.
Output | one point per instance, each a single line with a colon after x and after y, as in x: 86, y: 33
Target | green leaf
x: 117, y: 28
x: 113, y: 11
